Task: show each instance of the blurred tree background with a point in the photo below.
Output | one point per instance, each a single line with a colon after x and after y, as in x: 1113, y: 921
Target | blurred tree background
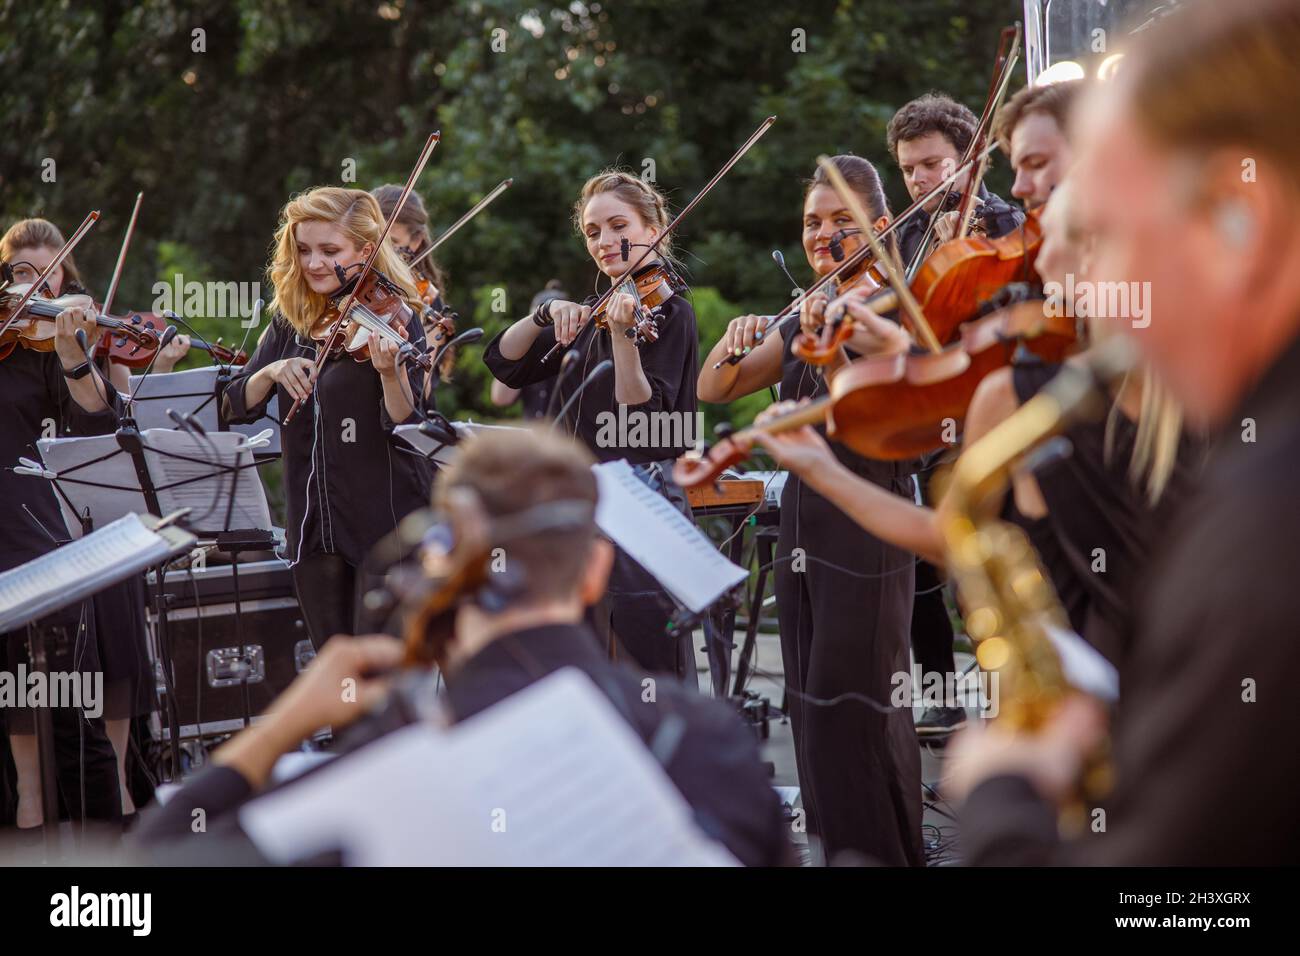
x: 220, y: 111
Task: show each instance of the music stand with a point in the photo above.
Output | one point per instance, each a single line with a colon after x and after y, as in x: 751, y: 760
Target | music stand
x: 162, y: 471
x: 198, y: 392
x: 67, y: 576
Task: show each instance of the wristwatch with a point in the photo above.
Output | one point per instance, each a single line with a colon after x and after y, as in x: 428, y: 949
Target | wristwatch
x: 81, y: 371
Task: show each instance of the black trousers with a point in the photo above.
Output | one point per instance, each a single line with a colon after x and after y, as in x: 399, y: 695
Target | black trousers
x: 844, y: 601
x: 634, y: 614
x: 330, y: 591
x: 931, y: 626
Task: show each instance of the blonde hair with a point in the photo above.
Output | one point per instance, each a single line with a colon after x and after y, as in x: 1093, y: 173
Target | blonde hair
x: 38, y: 234
x: 1160, y: 416
x: 357, y: 214
x: 1159, y: 425
x: 648, y: 202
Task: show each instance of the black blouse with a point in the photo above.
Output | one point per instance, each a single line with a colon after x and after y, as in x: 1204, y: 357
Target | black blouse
x: 37, y: 403
x: 348, y: 481
x: 670, y: 365
x: 801, y: 380
x: 1094, y: 540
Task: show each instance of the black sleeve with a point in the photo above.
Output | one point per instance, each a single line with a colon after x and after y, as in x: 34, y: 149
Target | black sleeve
x: 1004, y: 822
x: 76, y: 421
x: 216, y: 791
x: 270, y: 349
x: 665, y: 360
x: 528, y: 370
x: 720, y: 772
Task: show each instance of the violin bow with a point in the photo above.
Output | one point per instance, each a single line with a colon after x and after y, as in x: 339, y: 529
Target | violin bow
x: 754, y: 137
x: 117, y: 269
x: 907, y: 303
x: 63, y: 253
x: 1001, y: 81
x: 1003, y: 64
x: 455, y: 226
x: 858, y: 256
x: 323, y: 353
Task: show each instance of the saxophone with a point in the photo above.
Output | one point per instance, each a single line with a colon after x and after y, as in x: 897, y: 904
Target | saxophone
x: 1009, y: 603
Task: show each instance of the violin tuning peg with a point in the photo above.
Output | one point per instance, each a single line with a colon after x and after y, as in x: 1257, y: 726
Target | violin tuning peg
x: 724, y: 430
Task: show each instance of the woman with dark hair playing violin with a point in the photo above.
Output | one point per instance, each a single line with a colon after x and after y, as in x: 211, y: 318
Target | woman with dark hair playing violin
x: 346, y: 483
x: 1098, y: 501
x: 844, y: 597
x: 410, y: 234
x: 619, y: 215
x: 47, y: 394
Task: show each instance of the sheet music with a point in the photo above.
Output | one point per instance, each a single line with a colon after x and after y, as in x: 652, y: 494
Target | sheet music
x: 1084, y: 666
x: 114, y: 552
x: 551, y: 776
x: 426, y: 446
x: 660, y: 538
x: 106, y: 504
x: 638, y: 520
x: 194, y: 391
x: 250, y: 509
x: 63, y: 455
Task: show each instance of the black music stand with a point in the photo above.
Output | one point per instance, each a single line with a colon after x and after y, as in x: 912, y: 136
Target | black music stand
x: 43, y: 586
x: 143, y: 495
x: 198, y: 392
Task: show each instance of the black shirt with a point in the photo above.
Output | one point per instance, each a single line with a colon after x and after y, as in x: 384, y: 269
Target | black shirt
x: 802, y: 380
x: 997, y: 215
x: 714, y: 762
x: 348, y: 481
x: 1203, y: 765
x: 1095, y: 540
x: 670, y: 365
x: 36, y: 404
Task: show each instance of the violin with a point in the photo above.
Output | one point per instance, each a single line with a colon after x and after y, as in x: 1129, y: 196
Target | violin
x: 651, y: 286
x: 645, y: 327
x: 439, y: 324
x: 450, y: 566
x: 33, y: 327
x: 820, y: 348
x: 962, y: 274
x: 373, y: 305
x: 379, y: 311
x: 124, y: 350
x: 951, y: 284
x: 896, y: 407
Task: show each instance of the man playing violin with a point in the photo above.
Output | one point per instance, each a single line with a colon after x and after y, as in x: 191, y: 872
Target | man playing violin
x: 1193, y: 186
x: 927, y: 138
x: 1031, y: 128
x: 504, y: 636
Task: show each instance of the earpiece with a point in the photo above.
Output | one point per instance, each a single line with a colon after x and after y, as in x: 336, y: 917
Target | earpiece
x: 1235, y: 223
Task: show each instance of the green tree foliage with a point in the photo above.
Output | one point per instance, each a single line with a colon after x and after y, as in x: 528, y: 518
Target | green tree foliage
x: 220, y: 111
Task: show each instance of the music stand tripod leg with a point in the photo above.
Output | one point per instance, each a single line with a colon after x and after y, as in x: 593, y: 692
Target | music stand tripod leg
x: 165, y: 660
x: 244, y: 662
x: 44, y: 720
